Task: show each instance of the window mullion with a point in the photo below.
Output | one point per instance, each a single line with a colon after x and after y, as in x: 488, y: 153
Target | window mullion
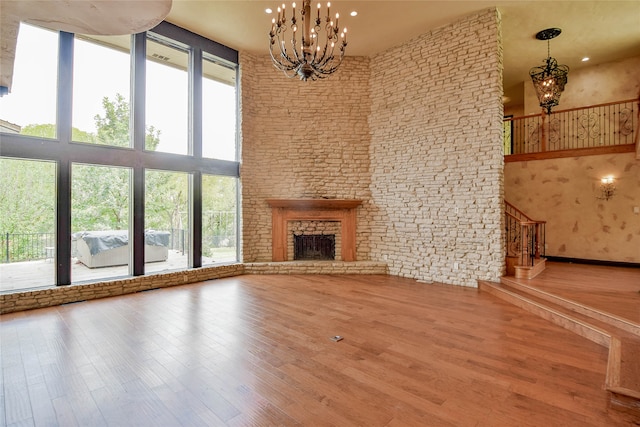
x: 138, y: 132
x: 195, y: 148
x: 63, y: 169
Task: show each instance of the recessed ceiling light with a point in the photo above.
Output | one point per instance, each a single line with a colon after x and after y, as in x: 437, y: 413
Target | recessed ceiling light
x: 354, y: 13
x: 268, y: 10
x: 585, y: 59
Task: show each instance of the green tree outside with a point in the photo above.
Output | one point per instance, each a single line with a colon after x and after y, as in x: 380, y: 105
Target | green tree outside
x: 100, y: 194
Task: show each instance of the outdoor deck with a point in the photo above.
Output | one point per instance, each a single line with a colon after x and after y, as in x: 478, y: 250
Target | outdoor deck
x: 41, y: 274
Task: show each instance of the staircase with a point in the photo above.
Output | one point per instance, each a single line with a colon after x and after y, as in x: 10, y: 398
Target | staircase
x: 525, y: 242
x: 620, y: 336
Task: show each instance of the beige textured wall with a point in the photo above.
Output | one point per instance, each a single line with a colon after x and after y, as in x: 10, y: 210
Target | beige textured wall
x: 436, y: 154
x: 564, y: 193
x: 598, y: 84
x: 302, y: 140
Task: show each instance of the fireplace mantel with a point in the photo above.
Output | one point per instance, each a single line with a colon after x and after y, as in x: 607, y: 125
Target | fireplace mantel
x: 342, y: 210
x: 314, y: 203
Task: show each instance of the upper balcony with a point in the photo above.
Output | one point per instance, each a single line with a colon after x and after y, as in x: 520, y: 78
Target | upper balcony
x: 584, y: 131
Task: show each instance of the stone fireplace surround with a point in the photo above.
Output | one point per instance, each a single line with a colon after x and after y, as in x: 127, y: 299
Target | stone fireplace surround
x: 286, y: 210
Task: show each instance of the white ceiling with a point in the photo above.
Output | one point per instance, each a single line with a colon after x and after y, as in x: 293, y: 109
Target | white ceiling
x: 603, y: 30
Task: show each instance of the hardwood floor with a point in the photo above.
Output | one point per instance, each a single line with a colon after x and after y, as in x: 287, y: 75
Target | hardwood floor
x: 256, y: 350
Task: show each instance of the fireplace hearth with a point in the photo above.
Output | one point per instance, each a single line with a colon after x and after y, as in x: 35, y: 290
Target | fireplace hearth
x: 314, y: 247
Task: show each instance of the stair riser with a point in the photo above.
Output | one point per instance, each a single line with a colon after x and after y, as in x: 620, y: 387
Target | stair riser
x: 623, y: 403
x: 620, y: 397
x: 593, y: 334
x: 530, y: 272
x: 578, y: 308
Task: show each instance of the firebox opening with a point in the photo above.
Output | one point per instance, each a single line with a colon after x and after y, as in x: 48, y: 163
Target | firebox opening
x: 314, y: 247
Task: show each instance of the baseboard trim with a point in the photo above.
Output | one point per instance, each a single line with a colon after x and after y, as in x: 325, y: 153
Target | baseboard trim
x: 593, y: 262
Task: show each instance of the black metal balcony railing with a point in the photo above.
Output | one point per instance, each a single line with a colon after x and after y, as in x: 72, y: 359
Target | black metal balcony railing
x: 19, y: 247
x: 602, y: 125
x: 219, y: 232
x: 16, y: 247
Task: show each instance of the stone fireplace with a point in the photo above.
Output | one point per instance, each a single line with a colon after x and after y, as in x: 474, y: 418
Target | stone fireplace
x: 292, y: 217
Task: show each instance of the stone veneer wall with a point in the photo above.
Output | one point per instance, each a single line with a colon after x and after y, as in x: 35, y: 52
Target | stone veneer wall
x: 564, y: 193
x: 436, y: 154
x: 415, y: 132
x: 302, y: 140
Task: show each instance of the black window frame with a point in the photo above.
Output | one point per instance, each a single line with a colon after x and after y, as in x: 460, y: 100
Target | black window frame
x: 65, y: 152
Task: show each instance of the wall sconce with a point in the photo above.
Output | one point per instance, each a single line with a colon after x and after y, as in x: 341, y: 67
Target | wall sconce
x: 607, y: 188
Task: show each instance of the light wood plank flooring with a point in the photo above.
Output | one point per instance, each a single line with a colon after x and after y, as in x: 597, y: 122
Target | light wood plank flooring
x: 256, y: 351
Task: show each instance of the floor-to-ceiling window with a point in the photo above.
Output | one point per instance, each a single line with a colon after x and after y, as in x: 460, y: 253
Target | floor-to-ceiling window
x: 167, y: 218
x: 219, y: 219
x: 27, y: 221
x: 101, y: 90
x: 219, y: 123
x: 34, y: 83
x: 139, y: 135
x: 100, y: 221
x: 167, y: 100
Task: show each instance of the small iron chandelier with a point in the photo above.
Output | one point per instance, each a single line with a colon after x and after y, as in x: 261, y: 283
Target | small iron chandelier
x: 307, y: 58
x: 550, y: 79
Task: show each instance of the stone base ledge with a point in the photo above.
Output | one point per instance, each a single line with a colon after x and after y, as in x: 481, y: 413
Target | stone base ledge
x: 316, y: 267
x: 58, y: 295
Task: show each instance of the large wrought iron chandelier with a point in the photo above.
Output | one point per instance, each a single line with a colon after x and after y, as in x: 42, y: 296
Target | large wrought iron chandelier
x: 306, y: 56
x: 549, y: 80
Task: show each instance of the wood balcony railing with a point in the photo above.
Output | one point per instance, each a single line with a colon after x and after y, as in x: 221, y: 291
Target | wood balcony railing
x: 613, y: 125
x: 525, y: 237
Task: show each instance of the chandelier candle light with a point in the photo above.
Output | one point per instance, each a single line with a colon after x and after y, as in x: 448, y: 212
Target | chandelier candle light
x: 306, y: 57
x: 549, y: 80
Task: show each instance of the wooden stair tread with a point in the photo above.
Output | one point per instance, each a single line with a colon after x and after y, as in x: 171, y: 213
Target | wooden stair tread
x: 623, y: 370
x: 530, y: 271
x: 578, y: 312
x: 536, y: 262
x: 619, y: 326
x: 581, y: 325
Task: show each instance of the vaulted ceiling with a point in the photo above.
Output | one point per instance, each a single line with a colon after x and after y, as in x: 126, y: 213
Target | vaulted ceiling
x: 601, y: 30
